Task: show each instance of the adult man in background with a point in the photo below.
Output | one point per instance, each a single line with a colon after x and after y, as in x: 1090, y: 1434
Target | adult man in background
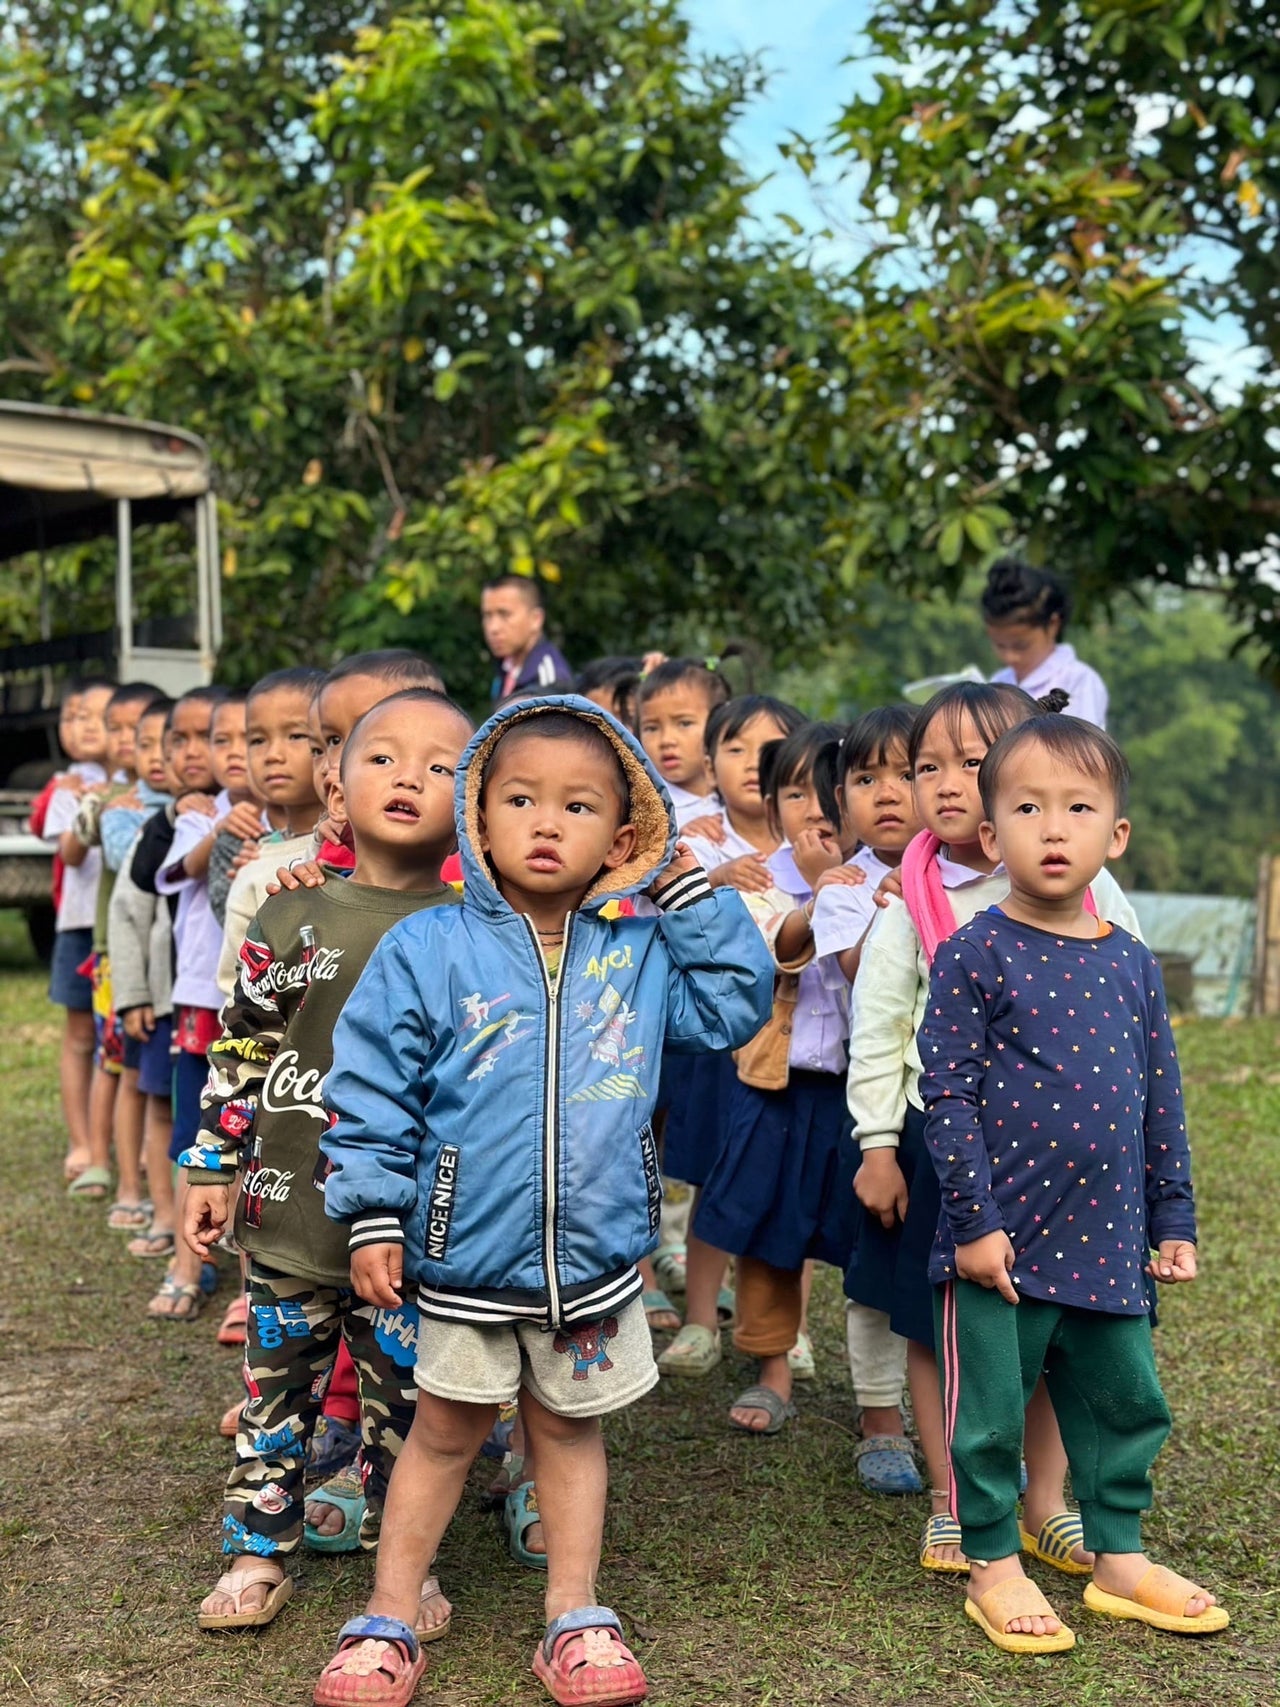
x: 512, y: 613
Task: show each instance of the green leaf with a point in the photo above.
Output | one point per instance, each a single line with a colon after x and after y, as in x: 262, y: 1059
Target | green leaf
x: 951, y: 541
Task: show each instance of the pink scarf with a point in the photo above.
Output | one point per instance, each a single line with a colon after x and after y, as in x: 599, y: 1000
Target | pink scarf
x: 926, y: 897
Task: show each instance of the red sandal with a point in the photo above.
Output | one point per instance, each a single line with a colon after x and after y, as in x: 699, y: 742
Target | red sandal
x: 232, y: 1328
x: 583, y: 1659
x: 378, y: 1664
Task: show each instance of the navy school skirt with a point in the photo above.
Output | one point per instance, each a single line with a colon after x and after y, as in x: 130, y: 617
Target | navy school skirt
x: 697, y: 1089
x: 889, y: 1269
x: 781, y: 1189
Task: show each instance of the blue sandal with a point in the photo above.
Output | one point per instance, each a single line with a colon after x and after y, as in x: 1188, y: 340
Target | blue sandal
x: 346, y: 1492
x: 519, y: 1514
x: 887, y: 1465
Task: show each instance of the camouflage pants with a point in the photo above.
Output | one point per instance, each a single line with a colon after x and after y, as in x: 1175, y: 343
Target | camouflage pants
x: 293, y: 1333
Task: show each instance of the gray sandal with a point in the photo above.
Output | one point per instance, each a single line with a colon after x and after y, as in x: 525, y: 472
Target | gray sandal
x: 760, y: 1398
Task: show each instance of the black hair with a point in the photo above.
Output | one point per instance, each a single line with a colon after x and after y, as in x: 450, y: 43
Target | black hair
x: 134, y: 693
x: 705, y: 673
x: 866, y: 745
x: 160, y: 706
x: 1017, y: 592
x: 537, y: 690
x: 232, y: 697
x: 618, y: 677
x: 526, y: 584
x: 728, y: 721
x: 563, y: 726
x: 83, y: 684
x: 796, y: 758
x: 212, y: 695
x: 1079, y: 745
x: 406, y: 696
x: 390, y: 664
x: 302, y: 679
x: 992, y: 707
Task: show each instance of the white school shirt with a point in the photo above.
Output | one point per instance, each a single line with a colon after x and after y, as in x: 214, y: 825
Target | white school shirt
x: 842, y: 915
x: 711, y: 855
x: 78, y: 905
x: 1062, y: 669
x: 689, y: 806
x: 892, y: 991
x: 197, y: 935
x: 820, y: 1021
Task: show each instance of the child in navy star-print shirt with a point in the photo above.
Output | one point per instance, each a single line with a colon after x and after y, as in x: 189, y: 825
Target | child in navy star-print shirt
x: 1054, y: 1119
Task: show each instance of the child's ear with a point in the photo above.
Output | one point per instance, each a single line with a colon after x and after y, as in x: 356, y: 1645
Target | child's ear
x: 624, y: 845
x: 1119, y: 839
x: 987, y: 836
x: 482, y: 830
x: 336, y: 805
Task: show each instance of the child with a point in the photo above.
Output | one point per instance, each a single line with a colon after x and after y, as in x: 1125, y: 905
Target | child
x: 735, y: 733
x: 84, y: 735
x: 115, y: 804
x: 1026, y: 612
x: 947, y: 877
x: 282, y: 779
x: 493, y: 1083
x: 673, y: 702
x: 1049, y: 1061
x: 777, y: 1195
x: 611, y: 683
x: 866, y: 789
x: 300, y: 961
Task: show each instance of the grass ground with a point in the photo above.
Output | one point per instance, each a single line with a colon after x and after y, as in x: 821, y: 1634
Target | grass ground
x: 749, y: 1572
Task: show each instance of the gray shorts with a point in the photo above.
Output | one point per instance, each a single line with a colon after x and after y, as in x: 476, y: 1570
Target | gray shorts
x: 583, y: 1371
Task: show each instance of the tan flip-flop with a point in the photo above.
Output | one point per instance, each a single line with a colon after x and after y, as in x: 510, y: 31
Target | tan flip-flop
x: 234, y: 1586
x: 434, y: 1632
x: 1017, y: 1597
x: 1158, y: 1600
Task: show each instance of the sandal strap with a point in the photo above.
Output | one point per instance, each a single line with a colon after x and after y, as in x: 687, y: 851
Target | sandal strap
x: 1060, y: 1535
x: 941, y: 1530
x: 1161, y: 1590
x: 761, y: 1398
x: 371, y: 1627
x: 884, y: 1443
x: 234, y: 1583
x: 1015, y: 1597
x: 570, y: 1623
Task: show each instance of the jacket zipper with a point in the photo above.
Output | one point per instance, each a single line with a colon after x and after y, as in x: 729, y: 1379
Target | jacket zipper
x: 550, y: 1128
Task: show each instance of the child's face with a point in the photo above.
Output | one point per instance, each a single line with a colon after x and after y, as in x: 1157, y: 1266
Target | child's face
x: 878, y: 806
x: 672, y: 723
x: 946, y: 781
x: 188, y: 746
x: 228, y: 748
x: 122, y: 737
x: 149, y: 760
x: 1055, y: 826
x: 69, y: 725
x: 1023, y: 646
x: 736, y: 767
x: 551, y: 817
x: 92, y: 731
x: 337, y: 709
x: 280, y: 768
x: 798, y: 809
x: 397, y: 787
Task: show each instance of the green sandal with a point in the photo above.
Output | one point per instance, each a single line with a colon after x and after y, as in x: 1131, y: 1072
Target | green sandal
x: 694, y: 1351
x: 669, y: 1265
x: 91, y: 1186
x: 519, y: 1514
x: 345, y: 1492
x: 658, y: 1304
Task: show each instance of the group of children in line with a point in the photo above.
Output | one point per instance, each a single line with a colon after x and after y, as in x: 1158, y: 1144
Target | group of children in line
x: 482, y: 1049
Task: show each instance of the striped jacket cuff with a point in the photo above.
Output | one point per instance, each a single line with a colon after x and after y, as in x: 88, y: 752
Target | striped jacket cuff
x: 376, y: 1229
x: 682, y: 892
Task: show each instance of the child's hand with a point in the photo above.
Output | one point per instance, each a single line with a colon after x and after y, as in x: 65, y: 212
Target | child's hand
x: 815, y: 852
x: 307, y: 875
x: 249, y: 851
x: 205, y: 1217
x: 880, y: 1186
x: 244, y: 821
x: 851, y: 876
x: 710, y: 827
x: 682, y: 863
x: 195, y: 801
x: 988, y: 1262
x: 650, y: 661
x: 139, y: 1023
x: 748, y: 873
x: 377, y: 1272
x: 1174, y: 1260
x: 130, y: 800
x: 890, y: 884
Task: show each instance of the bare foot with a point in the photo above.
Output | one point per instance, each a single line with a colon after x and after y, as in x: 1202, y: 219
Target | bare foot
x: 984, y: 1577
x: 217, y: 1604
x: 1120, y: 1574
x: 434, y: 1611
x: 74, y: 1163
x: 775, y: 1374
x: 325, y: 1518
x: 1036, y: 1515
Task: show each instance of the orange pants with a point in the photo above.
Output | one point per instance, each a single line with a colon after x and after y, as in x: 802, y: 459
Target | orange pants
x: 769, y: 1307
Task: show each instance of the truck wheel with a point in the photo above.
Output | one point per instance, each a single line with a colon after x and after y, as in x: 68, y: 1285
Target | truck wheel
x: 40, y: 923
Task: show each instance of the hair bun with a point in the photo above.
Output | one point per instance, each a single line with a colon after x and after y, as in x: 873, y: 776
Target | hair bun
x: 1009, y: 575
x: 1057, y: 699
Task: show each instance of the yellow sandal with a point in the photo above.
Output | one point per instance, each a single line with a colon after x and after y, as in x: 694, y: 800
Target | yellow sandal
x: 1058, y: 1539
x: 1157, y: 1600
x: 1017, y: 1597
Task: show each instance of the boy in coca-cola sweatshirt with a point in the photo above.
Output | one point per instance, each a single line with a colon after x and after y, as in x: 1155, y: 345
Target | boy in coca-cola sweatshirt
x: 263, y: 1110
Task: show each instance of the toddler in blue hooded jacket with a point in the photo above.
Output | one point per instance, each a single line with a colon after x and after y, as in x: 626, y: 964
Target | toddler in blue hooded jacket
x: 493, y: 1084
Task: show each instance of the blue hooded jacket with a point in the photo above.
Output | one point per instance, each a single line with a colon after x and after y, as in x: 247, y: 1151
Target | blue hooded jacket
x: 497, y: 1123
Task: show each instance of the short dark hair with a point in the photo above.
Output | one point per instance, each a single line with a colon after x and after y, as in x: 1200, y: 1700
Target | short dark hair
x: 160, y: 706
x: 618, y: 677
x: 76, y: 685
x: 992, y: 707
x: 406, y: 696
x: 562, y: 726
x: 525, y: 583
x: 797, y: 758
x: 705, y: 673
x: 728, y: 721
x: 1079, y: 745
x: 212, y: 695
x: 389, y: 664
x: 134, y: 693
x: 301, y: 679
x: 866, y: 744
x: 1018, y: 592
x: 231, y: 698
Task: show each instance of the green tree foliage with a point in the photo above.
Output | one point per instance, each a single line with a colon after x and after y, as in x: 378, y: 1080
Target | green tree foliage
x: 1058, y: 189
x: 450, y: 290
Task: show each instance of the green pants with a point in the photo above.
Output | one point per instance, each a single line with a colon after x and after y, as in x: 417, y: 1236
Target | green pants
x: 1101, y: 1375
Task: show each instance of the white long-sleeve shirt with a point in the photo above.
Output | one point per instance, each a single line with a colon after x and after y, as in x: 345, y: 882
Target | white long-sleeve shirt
x: 1062, y: 669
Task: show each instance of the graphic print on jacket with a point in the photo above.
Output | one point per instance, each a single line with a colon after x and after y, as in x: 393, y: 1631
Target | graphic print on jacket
x: 496, y: 1121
